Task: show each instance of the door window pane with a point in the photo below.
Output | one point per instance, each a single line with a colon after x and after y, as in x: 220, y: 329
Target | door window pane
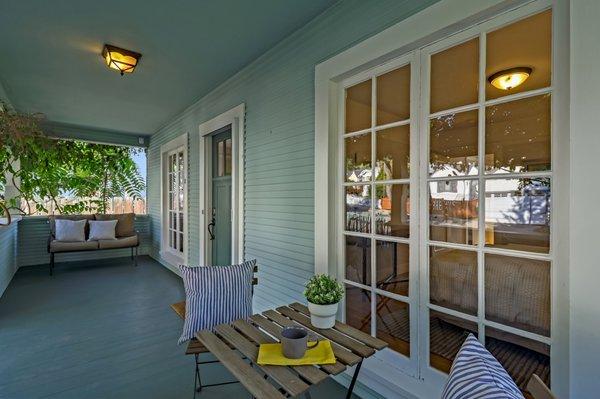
x: 453, y: 211
x: 521, y: 357
x: 453, y: 279
x: 358, y: 259
x: 358, y: 107
x: 526, y: 43
x: 392, y: 269
x: 358, y: 158
x: 446, y: 336
x: 228, y: 157
x: 455, y: 76
x: 453, y: 145
x: 393, y: 324
x: 517, y: 214
x: 220, y: 158
x: 393, y: 96
x: 517, y: 136
x: 517, y: 292
x: 392, y: 210
x: 358, y: 308
x: 393, y: 153
x: 358, y: 208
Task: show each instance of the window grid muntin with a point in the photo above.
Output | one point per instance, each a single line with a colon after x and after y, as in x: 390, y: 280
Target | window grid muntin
x: 482, y: 177
x: 372, y: 289
x: 175, y: 199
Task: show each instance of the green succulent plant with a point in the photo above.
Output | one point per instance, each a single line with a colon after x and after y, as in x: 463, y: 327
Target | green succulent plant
x: 323, y: 290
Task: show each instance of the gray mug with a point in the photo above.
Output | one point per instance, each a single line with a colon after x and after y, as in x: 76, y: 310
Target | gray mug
x: 294, y: 342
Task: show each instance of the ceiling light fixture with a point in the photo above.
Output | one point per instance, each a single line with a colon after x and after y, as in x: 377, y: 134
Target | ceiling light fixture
x: 120, y: 59
x: 509, y: 78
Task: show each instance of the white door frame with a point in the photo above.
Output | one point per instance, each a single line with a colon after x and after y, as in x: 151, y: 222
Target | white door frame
x: 235, y: 118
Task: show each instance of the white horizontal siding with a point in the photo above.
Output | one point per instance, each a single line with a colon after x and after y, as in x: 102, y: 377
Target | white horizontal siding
x: 278, y: 90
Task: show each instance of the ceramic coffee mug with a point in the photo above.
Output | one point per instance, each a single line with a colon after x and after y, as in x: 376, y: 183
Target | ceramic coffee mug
x: 294, y: 342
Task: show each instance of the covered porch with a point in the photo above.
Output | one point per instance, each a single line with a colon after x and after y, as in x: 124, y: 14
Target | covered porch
x: 434, y: 161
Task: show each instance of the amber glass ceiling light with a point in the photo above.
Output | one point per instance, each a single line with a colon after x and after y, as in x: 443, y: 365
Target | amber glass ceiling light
x: 120, y: 59
x: 509, y: 78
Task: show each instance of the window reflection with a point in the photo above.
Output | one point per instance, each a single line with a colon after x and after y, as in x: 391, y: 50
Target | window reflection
x: 358, y: 308
x: 446, y: 336
x: 393, y: 96
x: 358, y: 107
x: 392, y: 209
x: 517, y: 292
x: 358, y: 259
x: 358, y: 158
x: 517, y: 136
x: 392, y: 268
x: 453, y: 211
x: 358, y: 208
x: 393, y: 324
x: 453, y: 145
x: 393, y: 153
x: 534, y: 38
x: 453, y: 279
x: 517, y: 213
x: 521, y: 357
x: 454, y: 76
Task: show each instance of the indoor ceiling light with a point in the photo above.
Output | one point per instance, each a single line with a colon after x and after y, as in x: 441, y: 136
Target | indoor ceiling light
x: 509, y: 78
x: 120, y: 59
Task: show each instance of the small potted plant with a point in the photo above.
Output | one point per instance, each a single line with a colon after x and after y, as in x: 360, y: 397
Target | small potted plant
x: 323, y: 294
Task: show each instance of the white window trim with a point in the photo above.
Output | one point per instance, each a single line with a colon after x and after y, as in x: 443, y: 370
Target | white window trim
x: 418, y: 31
x: 173, y: 259
x: 236, y: 118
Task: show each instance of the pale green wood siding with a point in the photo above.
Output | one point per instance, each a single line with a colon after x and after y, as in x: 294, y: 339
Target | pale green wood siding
x: 33, y: 242
x: 8, y: 255
x: 278, y: 90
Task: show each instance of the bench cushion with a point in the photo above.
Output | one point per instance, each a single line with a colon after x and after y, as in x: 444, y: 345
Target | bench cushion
x: 215, y: 295
x: 125, y: 225
x: 122, y: 242
x: 65, y: 246
x: 52, y: 219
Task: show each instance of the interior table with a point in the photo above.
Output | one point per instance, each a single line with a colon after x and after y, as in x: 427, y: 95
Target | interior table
x: 235, y: 345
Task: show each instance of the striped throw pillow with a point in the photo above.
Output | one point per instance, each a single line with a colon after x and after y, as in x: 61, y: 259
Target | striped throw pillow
x: 476, y: 374
x: 215, y: 295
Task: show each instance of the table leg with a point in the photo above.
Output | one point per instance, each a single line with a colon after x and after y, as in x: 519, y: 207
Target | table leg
x: 353, y: 382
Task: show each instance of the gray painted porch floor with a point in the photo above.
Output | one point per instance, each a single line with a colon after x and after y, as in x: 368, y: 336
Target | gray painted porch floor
x: 102, y: 329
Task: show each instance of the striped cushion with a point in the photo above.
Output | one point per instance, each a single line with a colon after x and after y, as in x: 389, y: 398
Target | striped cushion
x: 215, y: 295
x: 475, y: 374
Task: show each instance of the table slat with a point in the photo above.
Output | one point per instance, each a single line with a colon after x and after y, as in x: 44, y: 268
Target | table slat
x: 249, y: 377
x: 350, y: 331
x: 355, y: 346
x: 289, y: 381
x: 344, y: 355
x: 275, y: 330
x: 179, y: 308
x: 312, y: 374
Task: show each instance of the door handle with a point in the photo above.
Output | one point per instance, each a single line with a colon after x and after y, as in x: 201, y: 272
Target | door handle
x: 211, y: 225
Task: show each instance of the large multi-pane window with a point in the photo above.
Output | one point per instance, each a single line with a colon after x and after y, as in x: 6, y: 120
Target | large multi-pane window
x: 377, y: 216
x: 176, y: 200
x: 462, y: 191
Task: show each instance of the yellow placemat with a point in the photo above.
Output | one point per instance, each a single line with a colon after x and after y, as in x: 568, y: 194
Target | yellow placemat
x: 271, y: 354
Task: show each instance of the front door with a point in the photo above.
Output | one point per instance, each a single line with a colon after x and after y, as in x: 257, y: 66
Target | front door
x: 220, y: 226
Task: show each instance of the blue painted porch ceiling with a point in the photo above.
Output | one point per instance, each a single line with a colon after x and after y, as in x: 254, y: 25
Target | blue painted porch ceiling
x: 50, y: 54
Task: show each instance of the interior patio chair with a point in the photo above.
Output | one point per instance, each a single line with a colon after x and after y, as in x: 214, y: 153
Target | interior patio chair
x: 194, y: 347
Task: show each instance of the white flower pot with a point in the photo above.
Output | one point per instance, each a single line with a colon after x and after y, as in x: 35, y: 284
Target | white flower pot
x: 322, y: 316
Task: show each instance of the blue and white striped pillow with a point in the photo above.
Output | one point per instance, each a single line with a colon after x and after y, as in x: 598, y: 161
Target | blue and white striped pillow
x: 476, y: 374
x: 215, y: 295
